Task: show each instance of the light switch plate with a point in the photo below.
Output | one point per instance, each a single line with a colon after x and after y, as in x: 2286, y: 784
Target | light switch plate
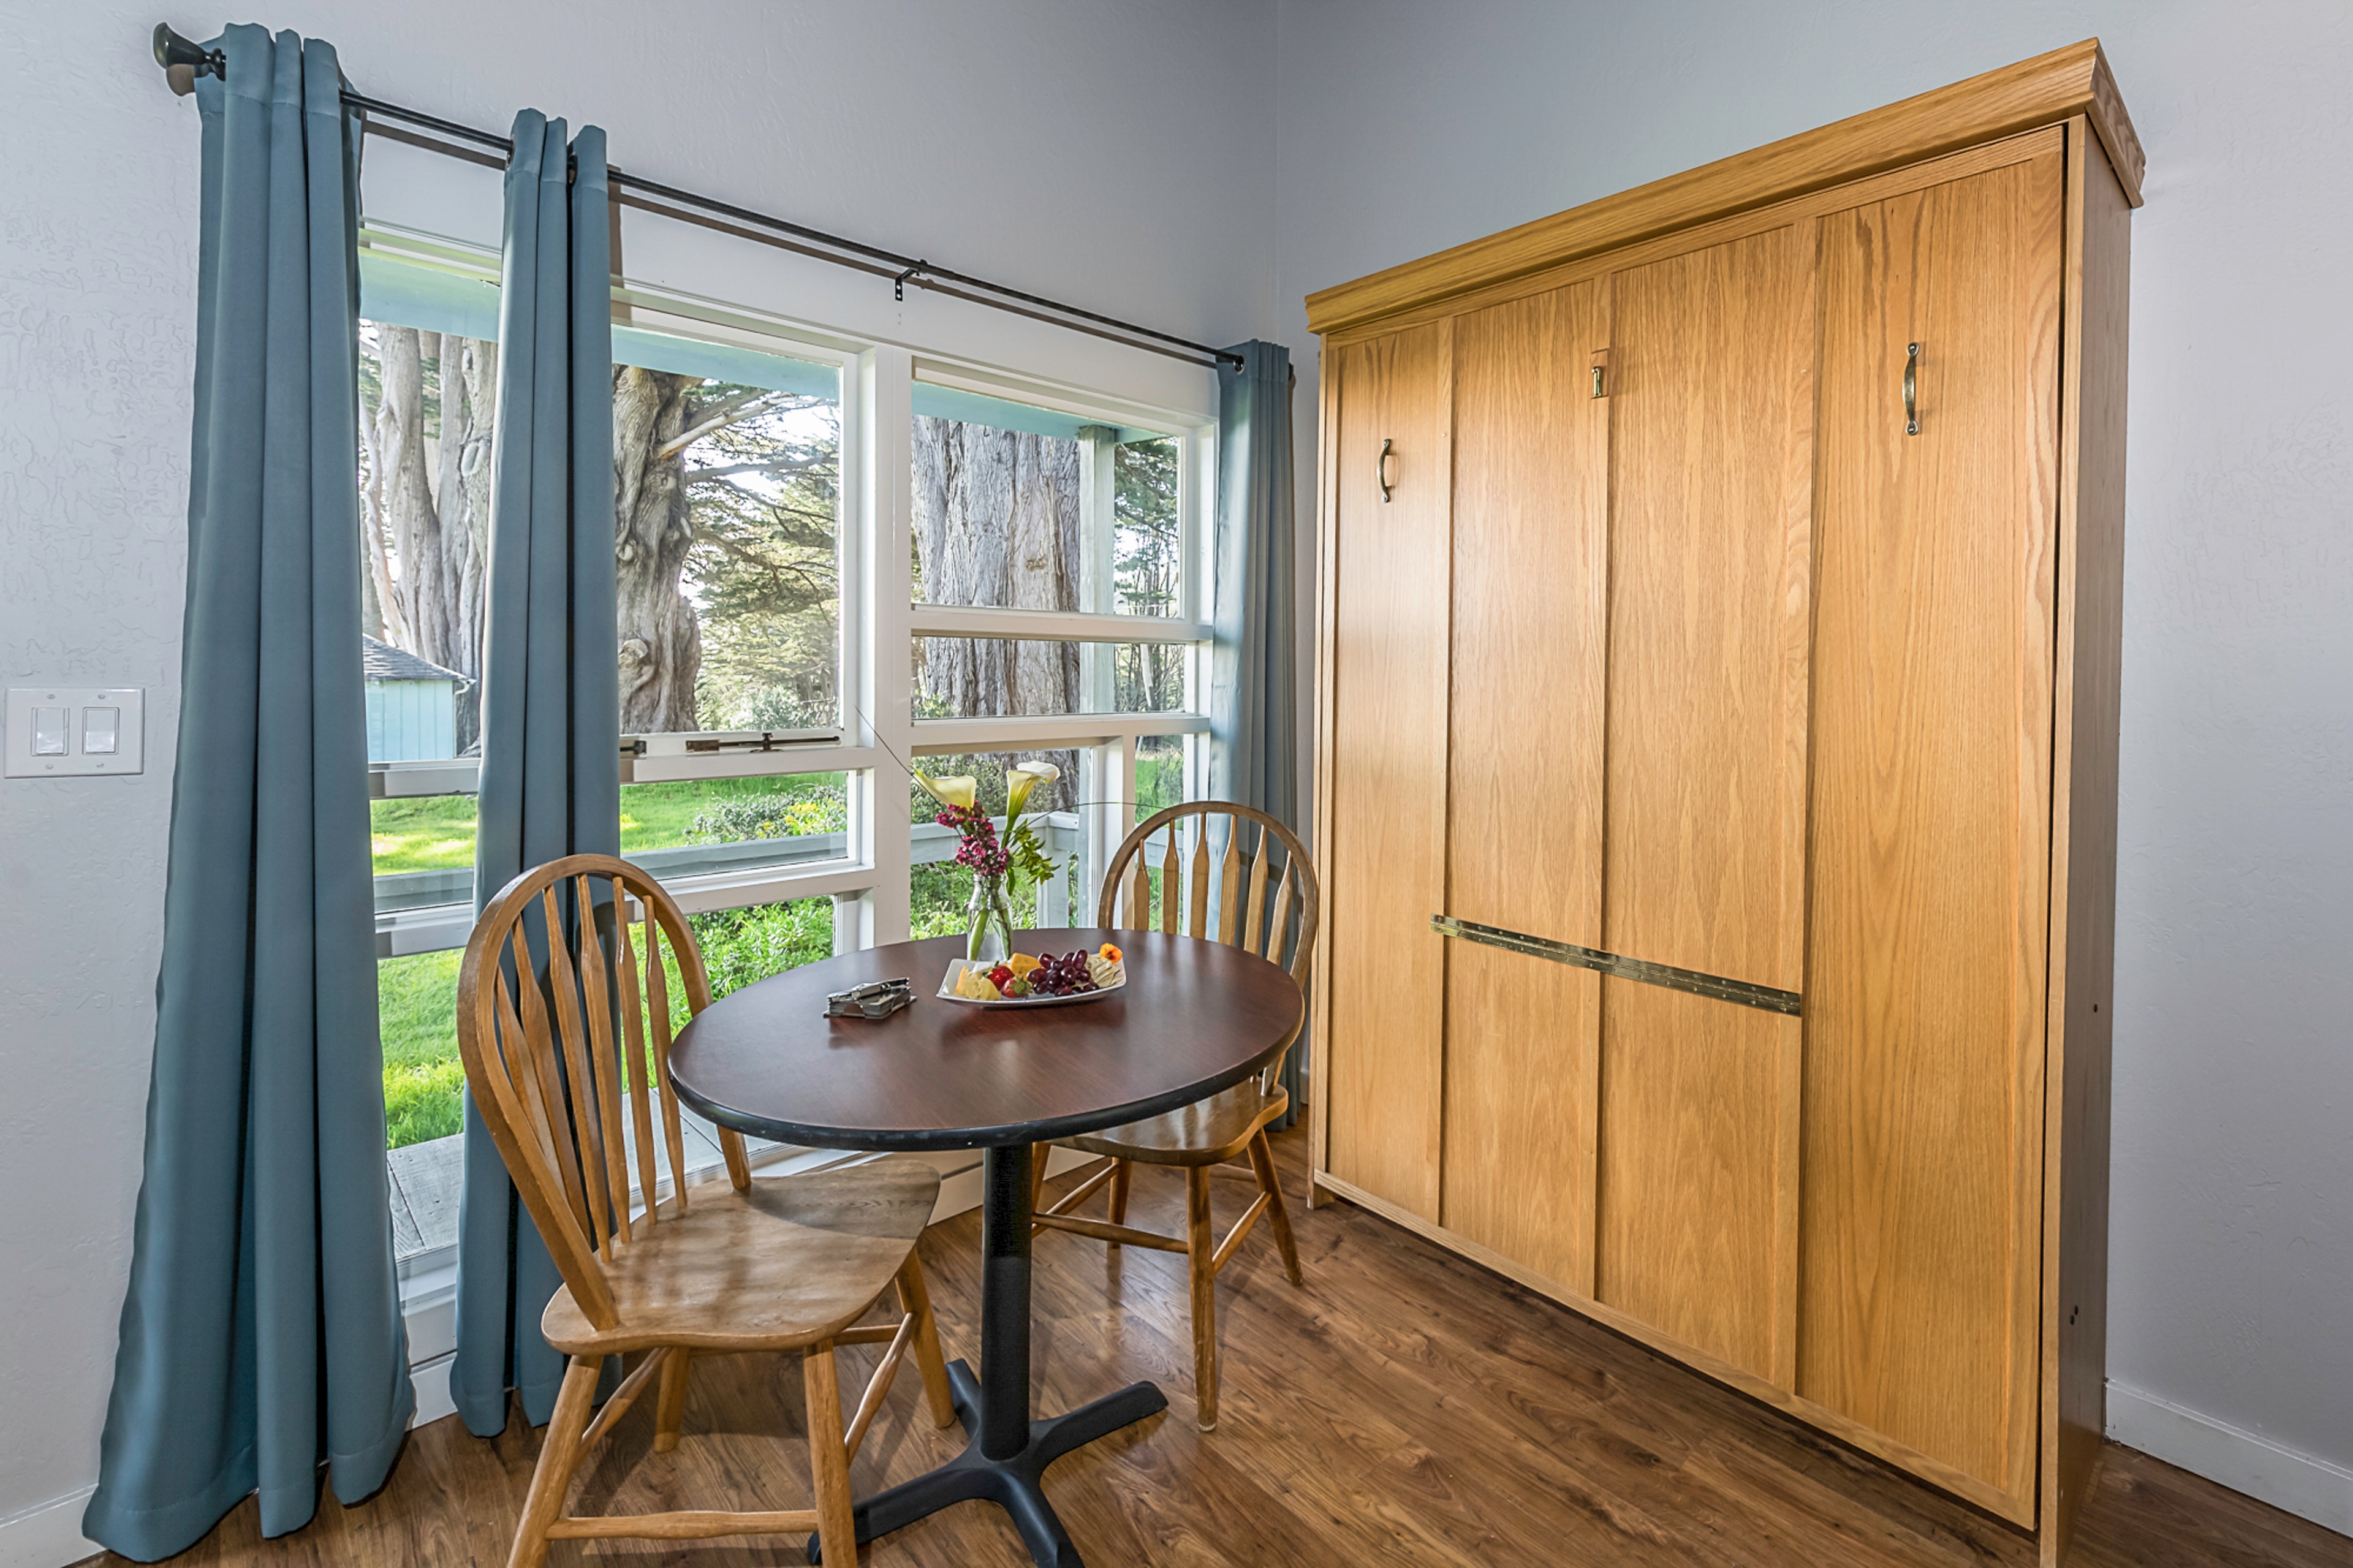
x: 124, y: 705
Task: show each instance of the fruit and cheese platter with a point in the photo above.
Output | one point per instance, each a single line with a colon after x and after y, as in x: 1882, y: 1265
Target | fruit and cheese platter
x: 1049, y: 980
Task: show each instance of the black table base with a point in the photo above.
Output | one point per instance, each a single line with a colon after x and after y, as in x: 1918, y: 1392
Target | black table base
x: 1005, y: 1458
x: 1012, y: 1484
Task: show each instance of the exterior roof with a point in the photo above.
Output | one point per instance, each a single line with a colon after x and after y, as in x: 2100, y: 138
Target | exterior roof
x: 382, y: 662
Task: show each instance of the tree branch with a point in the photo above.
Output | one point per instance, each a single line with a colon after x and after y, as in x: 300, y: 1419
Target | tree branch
x: 780, y: 465
x: 732, y: 411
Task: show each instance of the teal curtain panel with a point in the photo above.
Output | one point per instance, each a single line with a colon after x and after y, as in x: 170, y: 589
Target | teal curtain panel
x: 551, y: 685
x: 1254, y: 659
x: 261, y: 1331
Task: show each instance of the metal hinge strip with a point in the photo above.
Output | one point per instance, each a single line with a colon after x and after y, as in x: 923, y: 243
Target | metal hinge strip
x: 1746, y: 993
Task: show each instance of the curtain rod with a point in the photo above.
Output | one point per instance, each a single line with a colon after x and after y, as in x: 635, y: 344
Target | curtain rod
x: 176, y: 54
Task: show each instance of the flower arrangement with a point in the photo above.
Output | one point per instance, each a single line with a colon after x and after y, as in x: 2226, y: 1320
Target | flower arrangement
x: 1017, y: 859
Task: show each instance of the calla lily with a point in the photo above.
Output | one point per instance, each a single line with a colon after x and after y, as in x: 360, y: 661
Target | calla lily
x: 959, y: 791
x: 1023, y: 777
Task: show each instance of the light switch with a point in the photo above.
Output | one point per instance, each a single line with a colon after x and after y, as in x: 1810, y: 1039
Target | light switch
x: 99, y: 728
x: 59, y: 731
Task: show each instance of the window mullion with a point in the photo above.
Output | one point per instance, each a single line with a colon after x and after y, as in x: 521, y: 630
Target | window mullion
x: 885, y: 685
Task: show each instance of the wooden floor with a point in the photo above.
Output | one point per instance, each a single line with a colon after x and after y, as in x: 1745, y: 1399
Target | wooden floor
x: 1405, y: 1407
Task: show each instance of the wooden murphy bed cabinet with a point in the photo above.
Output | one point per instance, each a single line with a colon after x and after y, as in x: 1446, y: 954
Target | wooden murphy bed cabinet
x: 1722, y: 588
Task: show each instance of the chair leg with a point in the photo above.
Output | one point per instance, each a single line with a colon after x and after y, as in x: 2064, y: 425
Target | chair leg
x: 1119, y: 1175
x: 837, y: 1532
x: 1038, y: 1156
x: 916, y: 1298
x: 559, y: 1451
x: 670, y: 1402
x: 1200, y: 1251
x: 1261, y: 1154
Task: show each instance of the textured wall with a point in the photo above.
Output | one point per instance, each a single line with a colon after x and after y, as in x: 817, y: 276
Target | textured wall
x: 1406, y: 128
x: 1120, y: 157
x: 98, y: 278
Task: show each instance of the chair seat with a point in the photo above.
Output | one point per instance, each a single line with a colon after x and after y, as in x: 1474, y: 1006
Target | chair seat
x: 792, y: 1261
x: 1206, y: 1133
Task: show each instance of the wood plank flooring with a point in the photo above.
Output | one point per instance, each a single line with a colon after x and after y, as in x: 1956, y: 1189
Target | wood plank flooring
x: 1405, y: 1407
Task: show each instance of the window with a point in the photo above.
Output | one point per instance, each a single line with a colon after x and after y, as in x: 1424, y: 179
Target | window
x: 939, y: 892
x: 1019, y: 505
x: 1054, y: 584
x: 973, y: 678
x: 1163, y: 764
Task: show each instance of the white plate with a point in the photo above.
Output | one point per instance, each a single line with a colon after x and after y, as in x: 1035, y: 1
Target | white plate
x: 956, y: 968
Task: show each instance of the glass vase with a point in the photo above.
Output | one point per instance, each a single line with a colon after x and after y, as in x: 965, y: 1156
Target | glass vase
x: 988, y: 921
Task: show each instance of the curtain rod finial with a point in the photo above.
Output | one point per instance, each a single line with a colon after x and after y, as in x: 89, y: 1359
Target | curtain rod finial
x: 184, y: 61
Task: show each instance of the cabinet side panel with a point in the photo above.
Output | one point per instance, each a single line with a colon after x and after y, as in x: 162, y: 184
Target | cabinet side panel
x: 1929, y: 924
x: 1327, y: 567
x: 2092, y: 513
x: 1531, y: 557
x: 1384, y: 870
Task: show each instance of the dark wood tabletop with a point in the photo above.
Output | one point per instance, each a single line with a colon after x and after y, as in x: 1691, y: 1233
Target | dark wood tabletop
x: 1195, y: 1017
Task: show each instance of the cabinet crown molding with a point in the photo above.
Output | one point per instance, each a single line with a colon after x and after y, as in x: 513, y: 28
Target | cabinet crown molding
x: 2045, y: 90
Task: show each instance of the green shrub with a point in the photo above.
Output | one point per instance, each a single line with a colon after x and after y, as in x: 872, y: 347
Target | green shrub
x: 768, y: 816
x: 740, y: 946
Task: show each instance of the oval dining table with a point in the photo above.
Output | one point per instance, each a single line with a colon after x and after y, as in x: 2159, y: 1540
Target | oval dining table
x: 1195, y: 1017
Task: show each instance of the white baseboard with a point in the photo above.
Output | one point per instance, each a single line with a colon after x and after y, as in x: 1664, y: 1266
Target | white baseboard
x: 2305, y: 1485
x: 48, y: 1535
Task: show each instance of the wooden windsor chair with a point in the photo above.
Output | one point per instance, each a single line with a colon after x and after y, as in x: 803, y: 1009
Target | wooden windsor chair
x: 1205, y: 1138
x: 570, y: 1073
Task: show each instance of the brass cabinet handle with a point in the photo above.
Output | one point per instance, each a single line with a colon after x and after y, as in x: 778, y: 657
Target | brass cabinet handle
x: 1381, y: 470
x: 1911, y: 389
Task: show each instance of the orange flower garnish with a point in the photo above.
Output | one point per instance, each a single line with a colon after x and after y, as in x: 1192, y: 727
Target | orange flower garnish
x: 1110, y: 953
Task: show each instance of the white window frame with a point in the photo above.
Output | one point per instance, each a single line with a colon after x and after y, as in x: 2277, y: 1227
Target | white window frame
x: 870, y: 885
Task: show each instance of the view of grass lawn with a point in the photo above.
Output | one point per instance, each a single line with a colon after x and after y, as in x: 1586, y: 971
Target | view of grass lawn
x: 435, y: 833
x: 422, y: 833
x: 418, y: 995
x: 418, y: 1000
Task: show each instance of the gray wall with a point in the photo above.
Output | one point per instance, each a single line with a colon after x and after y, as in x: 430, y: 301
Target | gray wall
x: 1404, y: 128
x: 1201, y: 167
x: 1120, y: 158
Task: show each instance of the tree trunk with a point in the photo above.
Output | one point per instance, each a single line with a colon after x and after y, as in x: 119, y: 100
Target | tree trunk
x: 410, y: 532
x: 997, y: 524
x: 660, y: 646
x: 375, y: 572
x: 469, y: 372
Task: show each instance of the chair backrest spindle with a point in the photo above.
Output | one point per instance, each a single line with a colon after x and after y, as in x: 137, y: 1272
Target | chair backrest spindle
x: 564, y: 1021
x: 1241, y: 917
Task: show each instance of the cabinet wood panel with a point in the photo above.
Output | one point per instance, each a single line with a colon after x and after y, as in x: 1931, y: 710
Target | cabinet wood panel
x: 1385, y: 855
x: 1531, y: 616
x: 1697, y: 1131
x: 1710, y: 501
x: 1931, y: 824
x: 1710, y: 425
x: 1742, y: 676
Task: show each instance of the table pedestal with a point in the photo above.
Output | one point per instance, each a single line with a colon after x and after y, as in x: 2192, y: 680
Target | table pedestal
x: 1008, y: 1453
